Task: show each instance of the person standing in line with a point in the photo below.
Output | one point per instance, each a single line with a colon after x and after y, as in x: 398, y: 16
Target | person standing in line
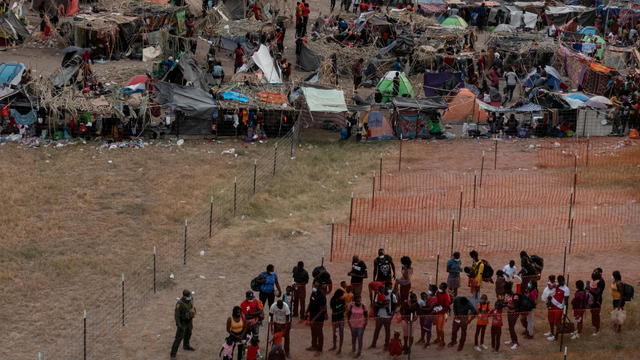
x: 358, y: 317
x: 383, y: 268
x: 579, y: 305
x: 426, y: 303
x: 358, y: 273
x: 269, y: 286
x: 557, y: 303
x: 477, y: 269
x: 454, y: 268
x: 617, y: 292
x: 463, y: 313
x: 337, y: 305
x: 356, y: 69
x: 499, y: 284
x: 300, y: 281
x: 280, y: 317
x: 384, y: 305
x: 512, y: 80
x: 403, y: 283
x: 482, y: 322
x: 547, y: 292
x: 596, y: 288
x: 443, y: 303
x: 527, y: 318
x: 333, y: 5
x: 226, y: 351
x: 237, y: 329
x: 408, y: 314
x: 184, y: 314
x: 496, y: 325
x: 513, y: 306
x: 316, y: 313
x: 253, y: 313
x: 510, y: 271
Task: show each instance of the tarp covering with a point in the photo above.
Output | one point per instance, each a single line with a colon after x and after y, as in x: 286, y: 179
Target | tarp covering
x: 236, y: 8
x: 530, y: 107
x: 439, y: 84
x: 417, y: 124
x: 10, y: 76
x: 190, y: 73
x: 463, y: 107
x: 325, y: 100
x: 12, y: 27
x: 379, y: 126
x: 419, y: 104
x: 308, y: 60
x: 192, y: 102
x: 265, y: 62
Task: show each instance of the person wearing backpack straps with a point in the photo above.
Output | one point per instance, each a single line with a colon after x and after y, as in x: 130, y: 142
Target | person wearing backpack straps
x: 475, y: 279
x: 527, y: 318
x: 579, y: 304
x: 596, y: 287
x: 513, y: 312
x: 617, y: 315
x: 269, y: 286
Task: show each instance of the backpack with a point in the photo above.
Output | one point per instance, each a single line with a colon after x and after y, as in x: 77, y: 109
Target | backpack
x: 487, y: 272
x: 627, y: 292
x: 256, y: 282
x: 538, y: 263
x: 589, y: 300
x: 317, y: 270
x: 525, y: 304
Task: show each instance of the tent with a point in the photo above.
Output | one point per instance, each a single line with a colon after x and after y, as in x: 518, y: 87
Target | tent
x: 379, y: 125
x: 236, y: 8
x: 455, y: 22
x: 325, y: 107
x: 308, y: 59
x: 505, y: 28
x: 385, y: 87
x: 195, y: 107
x: 10, y: 77
x: 553, y: 79
x: 265, y: 62
x: 589, y: 30
x: 464, y: 107
x: 186, y: 71
x: 418, y: 118
x: 441, y: 83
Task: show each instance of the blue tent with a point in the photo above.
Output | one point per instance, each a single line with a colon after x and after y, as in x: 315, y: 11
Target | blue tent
x: 589, y: 30
x: 578, y: 96
x: 9, y: 71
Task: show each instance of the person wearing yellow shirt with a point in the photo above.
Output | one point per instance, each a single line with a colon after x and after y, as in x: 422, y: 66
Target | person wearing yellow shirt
x: 618, y: 314
x: 475, y: 280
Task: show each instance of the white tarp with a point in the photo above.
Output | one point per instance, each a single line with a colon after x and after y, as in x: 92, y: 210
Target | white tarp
x: 530, y: 20
x: 150, y: 53
x: 325, y: 100
x: 263, y: 59
x: 567, y: 9
x: 516, y: 18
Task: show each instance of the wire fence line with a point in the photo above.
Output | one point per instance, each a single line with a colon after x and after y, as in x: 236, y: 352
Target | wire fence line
x: 120, y: 299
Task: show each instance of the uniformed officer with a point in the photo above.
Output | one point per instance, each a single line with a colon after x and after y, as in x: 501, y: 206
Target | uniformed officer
x: 185, y: 311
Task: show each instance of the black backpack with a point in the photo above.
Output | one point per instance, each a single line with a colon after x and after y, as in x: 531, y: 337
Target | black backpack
x: 317, y: 270
x: 487, y: 272
x: 525, y: 304
x: 627, y: 292
x: 538, y: 263
x: 256, y: 282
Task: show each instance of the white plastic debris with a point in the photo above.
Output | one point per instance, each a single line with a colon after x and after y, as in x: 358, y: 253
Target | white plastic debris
x: 201, y: 252
x: 110, y: 162
x: 180, y: 142
x: 231, y: 151
x: 171, y: 276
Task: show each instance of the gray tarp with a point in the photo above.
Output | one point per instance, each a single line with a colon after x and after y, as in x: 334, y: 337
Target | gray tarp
x: 419, y: 104
x: 191, y: 73
x: 309, y: 60
x: 12, y: 26
x: 235, y: 8
x: 192, y: 102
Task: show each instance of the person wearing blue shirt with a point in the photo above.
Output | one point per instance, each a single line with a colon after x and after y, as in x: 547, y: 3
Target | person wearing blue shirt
x: 397, y: 65
x: 269, y: 285
x: 454, y: 268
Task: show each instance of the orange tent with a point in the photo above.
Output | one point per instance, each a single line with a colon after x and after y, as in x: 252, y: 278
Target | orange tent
x: 463, y: 107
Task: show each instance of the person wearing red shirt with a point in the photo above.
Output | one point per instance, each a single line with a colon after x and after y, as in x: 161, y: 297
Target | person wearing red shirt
x: 374, y: 287
x: 395, y: 346
x: 556, y: 303
x: 257, y: 11
x: 239, y: 58
x: 299, y: 8
x: 306, y: 11
x: 443, y: 302
x: 426, y: 314
x: 496, y: 325
x: 252, y: 312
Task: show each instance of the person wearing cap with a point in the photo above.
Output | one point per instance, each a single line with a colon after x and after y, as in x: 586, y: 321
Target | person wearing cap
x: 252, y: 310
x: 184, y: 313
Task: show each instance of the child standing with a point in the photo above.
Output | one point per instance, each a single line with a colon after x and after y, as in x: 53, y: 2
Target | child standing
x: 496, y: 325
x: 395, y: 346
x: 482, y: 322
x: 226, y: 351
x: 253, y: 350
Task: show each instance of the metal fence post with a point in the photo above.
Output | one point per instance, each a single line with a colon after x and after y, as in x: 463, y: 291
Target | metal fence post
x: 40, y: 355
x: 495, y: 155
x: 460, y: 211
x: 235, y: 195
x: 400, y: 155
x: 453, y: 230
x: 255, y: 171
x: 184, y: 250
x: 475, y: 181
x: 350, y: 213
x: 437, y: 267
x: 275, y: 158
x: 210, y: 217
x: 333, y: 223
x: 380, y: 181
x: 154, y: 269
x: 84, y: 335
x: 481, y: 169
x: 122, y: 299
x: 373, y: 191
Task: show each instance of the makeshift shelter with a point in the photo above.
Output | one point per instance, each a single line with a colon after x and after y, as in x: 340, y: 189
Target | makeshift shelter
x: 262, y: 58
x: 324, y: 106
x: 236, y: 9
x: 418, y: 118
x: 441, y: 83
x: 386, y: 87
x: 583, y: 71
x: 187, y: 72
x: 379, y: 124
x: 195, y: 109
x: 307, y: 59
x: 583, y: 15
x: 104, y: 32
x: 432, y: 7
x: 464, y: 107
x: 12, y: 31
x: 10, y: 78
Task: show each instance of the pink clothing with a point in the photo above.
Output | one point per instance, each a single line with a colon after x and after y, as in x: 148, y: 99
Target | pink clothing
x: 357, y: 319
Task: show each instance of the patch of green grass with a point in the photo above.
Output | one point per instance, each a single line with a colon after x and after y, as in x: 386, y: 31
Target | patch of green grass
x: 29, y: 252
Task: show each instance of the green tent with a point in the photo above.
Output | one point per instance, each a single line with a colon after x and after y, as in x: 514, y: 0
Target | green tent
x: 385, y: 87
x: 455, y: 21
x: 596, y: 39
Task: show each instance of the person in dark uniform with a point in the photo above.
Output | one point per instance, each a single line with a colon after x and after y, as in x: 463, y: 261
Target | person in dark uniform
x: 185, y: 311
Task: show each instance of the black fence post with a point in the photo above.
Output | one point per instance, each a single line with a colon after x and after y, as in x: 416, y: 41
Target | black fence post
x: 564, y: 261
x: 350, y: 213
x: 235, y: 195
x: 437, y: 267
x: 373, y: 191
x: 475, y: 181
x: 154, y: 269
x: 570, y: 232
x: 380, y: 181
x: 481, y: 169
x: 495, y: 155
x: 184, y: 249
x: 460, y: 211
x: 400, y: 155
x: 210, y: 217
x: 122, y: 282
x: 275, y: 158
x: 255, y: 171
x: 84, y: 335
x: 453, y: 230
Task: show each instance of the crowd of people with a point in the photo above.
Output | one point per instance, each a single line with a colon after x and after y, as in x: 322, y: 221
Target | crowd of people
x: 515, y: 296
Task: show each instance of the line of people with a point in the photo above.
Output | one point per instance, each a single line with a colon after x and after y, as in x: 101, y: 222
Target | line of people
x: 391, y: 296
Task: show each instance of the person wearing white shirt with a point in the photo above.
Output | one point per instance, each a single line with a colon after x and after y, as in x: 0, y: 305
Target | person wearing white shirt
x: 280, y: 317
x: 510, y: 271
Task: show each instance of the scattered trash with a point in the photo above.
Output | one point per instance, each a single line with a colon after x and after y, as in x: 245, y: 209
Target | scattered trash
x: 171, y: 276
x: 221, y: 277
x: 180, y: 142
x: 136, y: 144
x: 231, y: 151
x: 201, y: 252
x: 556, y: 144
x: 202, y: 277
x: 110, y: 162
